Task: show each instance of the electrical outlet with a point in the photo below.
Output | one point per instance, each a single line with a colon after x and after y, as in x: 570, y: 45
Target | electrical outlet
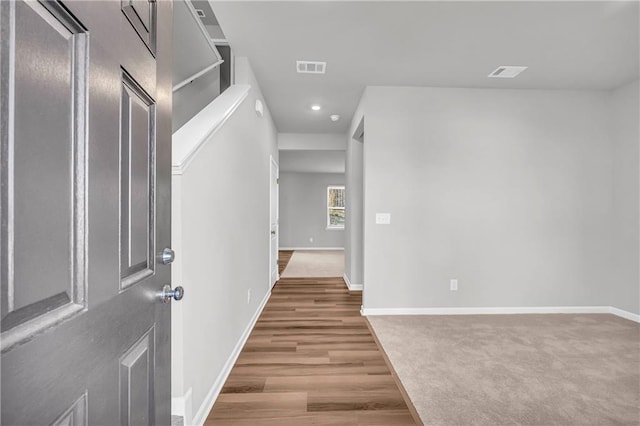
x: 248, y: 296
x: 453, y: 285
x: 383, y: 218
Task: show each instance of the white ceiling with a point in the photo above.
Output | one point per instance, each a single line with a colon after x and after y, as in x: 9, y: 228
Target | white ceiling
x: 566, y: 45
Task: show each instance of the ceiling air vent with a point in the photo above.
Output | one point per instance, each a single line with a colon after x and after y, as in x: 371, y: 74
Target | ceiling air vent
x: 311, y: 67
x: 507, y: 71
x: 200, y: 13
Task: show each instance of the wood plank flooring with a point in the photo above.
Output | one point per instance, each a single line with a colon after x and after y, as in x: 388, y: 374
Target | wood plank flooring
x: 311, y: 360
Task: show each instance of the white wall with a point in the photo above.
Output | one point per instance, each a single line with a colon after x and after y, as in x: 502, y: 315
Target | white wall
x: 306, y: 161
x: 303, y: 210
x: 508, y: 191
x: 221, y: 232
x: 311, y: 141
x: 625, y: 119
x: 190, y: 99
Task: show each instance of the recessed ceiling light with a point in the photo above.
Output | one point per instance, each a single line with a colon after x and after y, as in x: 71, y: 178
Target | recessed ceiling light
x: 315, y: 107
x: 334, y: 117
x: 507, y: 71
x: 200, y: 13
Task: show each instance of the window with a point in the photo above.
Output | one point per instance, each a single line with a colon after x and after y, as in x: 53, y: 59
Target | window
x: 335, y: 207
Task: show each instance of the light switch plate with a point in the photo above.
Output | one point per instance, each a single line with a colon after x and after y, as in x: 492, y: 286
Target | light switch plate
x: 383, y: 218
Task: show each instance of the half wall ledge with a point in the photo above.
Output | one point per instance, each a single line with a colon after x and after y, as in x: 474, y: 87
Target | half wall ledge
x: 191, y: 137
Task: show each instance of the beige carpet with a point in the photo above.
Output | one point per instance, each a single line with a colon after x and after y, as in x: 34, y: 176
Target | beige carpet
x: 517, y: 369
x: 315, y: 263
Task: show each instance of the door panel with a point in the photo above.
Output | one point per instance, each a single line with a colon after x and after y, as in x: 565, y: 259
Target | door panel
x: 44, y: 160
x: 76, y: 415
x: 136, y: 382
x: 137, y: 177
x: 142, y: 16
x: 85, y: 108
x: 52, y: 92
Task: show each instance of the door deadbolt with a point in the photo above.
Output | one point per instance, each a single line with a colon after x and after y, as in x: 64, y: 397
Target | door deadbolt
x: 167, y: 256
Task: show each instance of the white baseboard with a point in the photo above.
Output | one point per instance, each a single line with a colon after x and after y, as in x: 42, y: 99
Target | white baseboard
x: 503, y: 310
x: 310, y: 248
x: 182, y: 406
x: 350, y: 286
x: 489, y: 311
x: 624, y: 314
x: 212, y: 395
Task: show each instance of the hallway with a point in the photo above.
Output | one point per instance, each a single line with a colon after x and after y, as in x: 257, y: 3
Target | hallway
x: 311, y: 359
x: 315, y: 264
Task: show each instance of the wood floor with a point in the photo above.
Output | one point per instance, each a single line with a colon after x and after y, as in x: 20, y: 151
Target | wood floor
x: 311, y: 360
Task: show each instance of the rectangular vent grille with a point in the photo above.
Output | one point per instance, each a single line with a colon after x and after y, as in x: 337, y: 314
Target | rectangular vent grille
x: 507, y: 71
x: 311, y: 67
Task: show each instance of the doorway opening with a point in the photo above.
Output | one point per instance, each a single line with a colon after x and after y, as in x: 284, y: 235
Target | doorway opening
x: 354, y: 238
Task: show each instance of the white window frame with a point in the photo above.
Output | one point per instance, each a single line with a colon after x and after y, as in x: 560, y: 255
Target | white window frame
x: 329, y: 226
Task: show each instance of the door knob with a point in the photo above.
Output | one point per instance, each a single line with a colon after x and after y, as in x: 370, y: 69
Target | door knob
x: 273, y: 232
x: 167, y: 256
x: 168, y: 293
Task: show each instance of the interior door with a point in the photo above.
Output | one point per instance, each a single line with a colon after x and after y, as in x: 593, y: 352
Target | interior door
x: 85, y: 211
x: 274, y: 222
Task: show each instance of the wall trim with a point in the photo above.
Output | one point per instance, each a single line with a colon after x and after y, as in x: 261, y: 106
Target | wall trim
x: 311, y: 248
x: 624, y: 314
x: 182, y: 406
x: 503, y: 310
x: 190, y: 138
x: 212, y: 395
x: 350, y: 286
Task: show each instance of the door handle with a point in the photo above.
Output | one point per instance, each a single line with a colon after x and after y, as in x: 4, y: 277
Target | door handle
x: 273, y: 232
x: 168, y: 293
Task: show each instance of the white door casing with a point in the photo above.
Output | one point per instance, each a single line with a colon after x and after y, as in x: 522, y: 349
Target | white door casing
x: 274, y: 228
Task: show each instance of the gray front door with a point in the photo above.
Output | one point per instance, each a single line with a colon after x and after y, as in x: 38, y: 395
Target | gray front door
x: 85, y: 211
